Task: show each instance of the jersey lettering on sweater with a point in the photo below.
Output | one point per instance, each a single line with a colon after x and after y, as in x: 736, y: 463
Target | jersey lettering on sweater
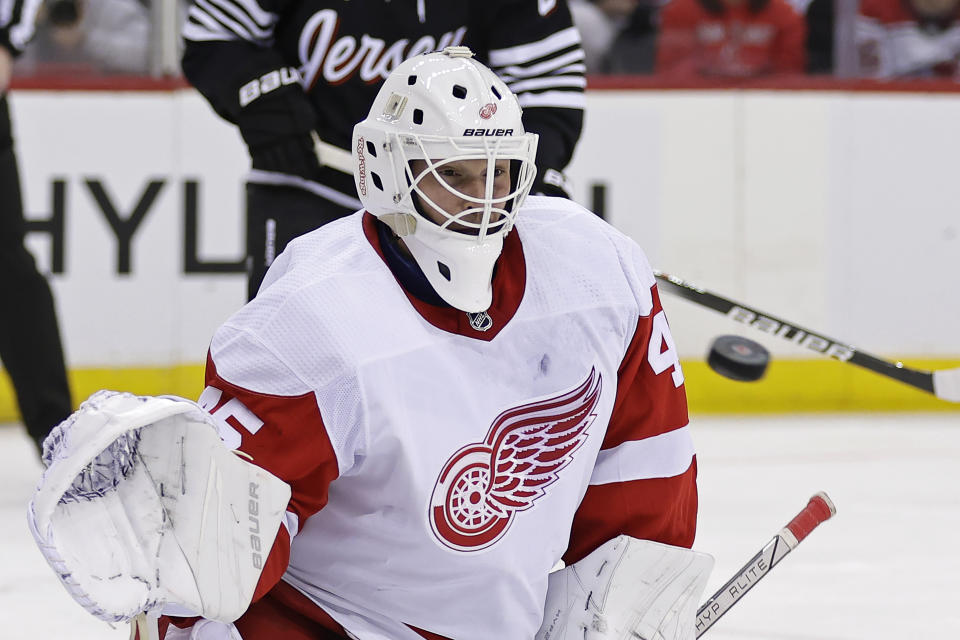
x: 238, y: 52
x: 423, y: 452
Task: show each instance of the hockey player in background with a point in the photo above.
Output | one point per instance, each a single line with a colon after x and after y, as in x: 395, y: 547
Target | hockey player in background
x: 432, y: 402
x: 30, y: 346
x: 296, y: 75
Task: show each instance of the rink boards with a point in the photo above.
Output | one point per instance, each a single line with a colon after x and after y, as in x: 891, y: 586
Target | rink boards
x: 834, y: 210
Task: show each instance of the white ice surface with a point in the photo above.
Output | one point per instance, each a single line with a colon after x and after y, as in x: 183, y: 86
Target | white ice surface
x: 887, y: 567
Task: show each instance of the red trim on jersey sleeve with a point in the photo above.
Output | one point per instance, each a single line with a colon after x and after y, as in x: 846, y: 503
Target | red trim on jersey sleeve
x: 646, y: 405
x: 659, y: 509
x: 509, y: 283
x: 293, y: 445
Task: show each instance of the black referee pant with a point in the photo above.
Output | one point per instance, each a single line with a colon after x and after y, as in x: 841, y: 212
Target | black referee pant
x: 30, y: 347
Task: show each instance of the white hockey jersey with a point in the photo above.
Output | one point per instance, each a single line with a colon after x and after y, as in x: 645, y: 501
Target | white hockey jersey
x: 893, y: 42
x: 442, y: 463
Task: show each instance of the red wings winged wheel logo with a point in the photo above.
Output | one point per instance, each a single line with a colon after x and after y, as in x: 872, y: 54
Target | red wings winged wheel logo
x: 483, y: 485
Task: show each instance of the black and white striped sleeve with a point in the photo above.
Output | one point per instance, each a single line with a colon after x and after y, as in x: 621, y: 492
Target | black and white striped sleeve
x: 548, y: 72
x: 535, y: 48
x: 17, y: 23
x: 222, y: 20
x: 230, y: 57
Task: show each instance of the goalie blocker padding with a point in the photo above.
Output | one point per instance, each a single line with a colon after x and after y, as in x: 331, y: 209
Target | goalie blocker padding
x: 627, y: 588
x: 142, y: 506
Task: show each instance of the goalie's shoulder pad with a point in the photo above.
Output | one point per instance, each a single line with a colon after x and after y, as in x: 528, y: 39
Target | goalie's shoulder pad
x: 626, y: 588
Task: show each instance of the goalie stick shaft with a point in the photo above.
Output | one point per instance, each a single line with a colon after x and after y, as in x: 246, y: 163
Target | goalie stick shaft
x: 943, y: 384
x: 818, y: 510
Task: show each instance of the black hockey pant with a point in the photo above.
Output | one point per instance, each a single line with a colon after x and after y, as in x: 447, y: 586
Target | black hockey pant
x: 275, y: 216
x: 30, y: 347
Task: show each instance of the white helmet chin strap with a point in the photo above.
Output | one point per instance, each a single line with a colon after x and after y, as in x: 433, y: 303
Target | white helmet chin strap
x: 458, y: 267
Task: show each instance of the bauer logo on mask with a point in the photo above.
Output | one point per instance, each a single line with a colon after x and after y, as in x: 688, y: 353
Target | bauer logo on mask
x: 437, y: 118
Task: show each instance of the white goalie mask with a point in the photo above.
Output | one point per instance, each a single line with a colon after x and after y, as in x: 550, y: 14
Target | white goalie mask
x: 437, y: 115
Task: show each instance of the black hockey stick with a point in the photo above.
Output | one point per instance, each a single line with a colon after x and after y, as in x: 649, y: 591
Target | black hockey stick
x: 944, y: 384
x: 818, y: 510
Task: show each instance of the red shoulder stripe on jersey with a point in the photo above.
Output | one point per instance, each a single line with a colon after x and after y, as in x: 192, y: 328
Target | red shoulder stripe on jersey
x: 659, y: 509
x: 292, y: 444
x: 509, y: 283
x: 647, y: 404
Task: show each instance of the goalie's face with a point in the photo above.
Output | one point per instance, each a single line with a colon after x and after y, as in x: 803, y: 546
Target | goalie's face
x: 452, y: 194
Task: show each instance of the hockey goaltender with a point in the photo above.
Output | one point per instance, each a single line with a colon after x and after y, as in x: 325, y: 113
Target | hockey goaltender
x: 427, y: 407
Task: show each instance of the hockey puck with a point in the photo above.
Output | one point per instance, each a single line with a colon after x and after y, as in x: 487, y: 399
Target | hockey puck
x: 738, y: 358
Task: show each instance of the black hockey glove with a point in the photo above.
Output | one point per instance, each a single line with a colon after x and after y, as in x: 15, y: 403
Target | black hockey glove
x: 551, y: 182
x: 275, y: 119
x: 291, y: 155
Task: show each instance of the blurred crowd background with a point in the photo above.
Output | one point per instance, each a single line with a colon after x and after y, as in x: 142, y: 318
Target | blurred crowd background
x: 672, y: 40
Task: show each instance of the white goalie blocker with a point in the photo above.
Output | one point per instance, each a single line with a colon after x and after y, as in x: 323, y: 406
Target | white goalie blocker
x: 627, y: 589
x: 143, y: 507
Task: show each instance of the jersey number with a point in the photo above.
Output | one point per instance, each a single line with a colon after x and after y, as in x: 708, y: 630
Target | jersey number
x: 662, y: 352
x: 229, y: 416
